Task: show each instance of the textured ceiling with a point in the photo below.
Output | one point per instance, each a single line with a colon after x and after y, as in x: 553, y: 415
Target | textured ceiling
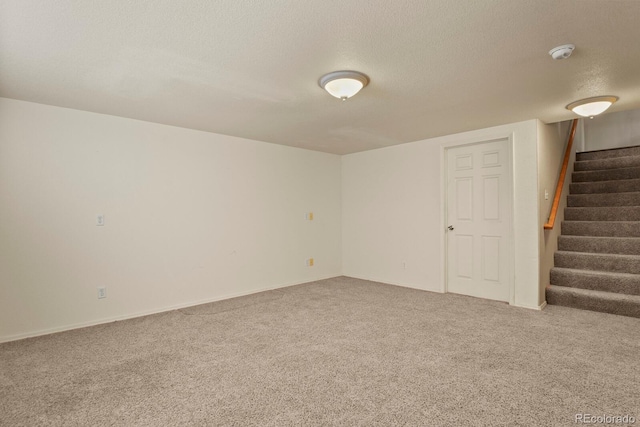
x: 250, y: 68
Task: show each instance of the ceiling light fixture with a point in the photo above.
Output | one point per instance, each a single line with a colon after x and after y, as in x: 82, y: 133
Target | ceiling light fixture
x: 343, y: 84
x: 590, y: 107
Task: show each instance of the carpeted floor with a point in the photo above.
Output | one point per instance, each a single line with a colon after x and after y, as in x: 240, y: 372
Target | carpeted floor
x: 335, y: 352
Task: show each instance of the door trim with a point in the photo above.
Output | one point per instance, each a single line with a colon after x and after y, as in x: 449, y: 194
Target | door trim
x: 444, y: 149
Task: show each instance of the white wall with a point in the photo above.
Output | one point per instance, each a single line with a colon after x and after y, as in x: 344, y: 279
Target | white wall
x: 613, y: 130
x: 190, y: 217
x: 391, y: 215
x: 193, y: 217
x: 392, y: 211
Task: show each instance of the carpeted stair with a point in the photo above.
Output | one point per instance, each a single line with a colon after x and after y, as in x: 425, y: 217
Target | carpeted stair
x: 597, y: 265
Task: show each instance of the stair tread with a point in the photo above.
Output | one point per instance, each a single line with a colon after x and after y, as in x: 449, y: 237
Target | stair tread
x: 570, y: 236
x: 628, y: 198
x: 601, y: 228
x: 605, y: 187
x: 600, y: 301
x: 602, y: 213
x: 606, y: 281
x: 621, y: 222
x: 608, y: 153
x: 611, y: 296
x: 601, y: 192
x: 627, y: 156
x: 596, y: 261
x: 598, y: 273
x: 607, y: 170
x: 619, y: 208
x: 605, y: 194
x: 607, y: 164
x: 606, y: 174
x: 600, y: 254
x: 599, y: 244
x: 608, y: 181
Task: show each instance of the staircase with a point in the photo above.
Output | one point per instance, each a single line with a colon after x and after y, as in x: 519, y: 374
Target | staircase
x: 597, y: 265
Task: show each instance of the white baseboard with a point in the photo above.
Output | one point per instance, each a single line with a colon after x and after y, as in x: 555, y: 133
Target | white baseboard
x: 79, y: 325
x: 439, y: 291
x: 387, y: 282
x: 528, y: 307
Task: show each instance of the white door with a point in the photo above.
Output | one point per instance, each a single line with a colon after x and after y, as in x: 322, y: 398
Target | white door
x: 479, y: 220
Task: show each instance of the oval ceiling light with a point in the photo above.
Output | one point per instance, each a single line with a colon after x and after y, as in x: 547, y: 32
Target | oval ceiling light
x: 343, y: 84
x: 590, y: 107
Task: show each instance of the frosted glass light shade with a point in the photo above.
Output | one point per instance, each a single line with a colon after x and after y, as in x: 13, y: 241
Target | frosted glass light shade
x: 343, y: 88
x: 592, y: 106
x: 343, y: 84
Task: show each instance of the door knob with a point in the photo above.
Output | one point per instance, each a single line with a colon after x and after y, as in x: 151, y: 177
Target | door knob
x: 450, y: 228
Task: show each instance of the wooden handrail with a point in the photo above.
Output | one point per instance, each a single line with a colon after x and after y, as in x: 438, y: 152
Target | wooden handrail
x: 563, y: 173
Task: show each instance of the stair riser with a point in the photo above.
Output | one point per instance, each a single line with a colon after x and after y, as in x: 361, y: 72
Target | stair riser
x: 609, y: 154
x: 623, y: 308
x: 606, y: 245
x: 606, y: 175
x: 620, y: 213
x: 620, y: 162
x: 613, y: 199
x: 605, y: 229
x: 616, y: 186
x: 597, y: 262
x: 629, y: 285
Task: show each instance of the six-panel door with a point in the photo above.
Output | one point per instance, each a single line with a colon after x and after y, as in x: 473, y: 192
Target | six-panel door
x: 479, y: 213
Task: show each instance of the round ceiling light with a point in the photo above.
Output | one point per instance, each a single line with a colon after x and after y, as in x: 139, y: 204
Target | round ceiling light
x: 590, y: 107
x: 343, y: 84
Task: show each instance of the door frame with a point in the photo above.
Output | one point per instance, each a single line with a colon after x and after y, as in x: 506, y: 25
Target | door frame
x: 444, y: 202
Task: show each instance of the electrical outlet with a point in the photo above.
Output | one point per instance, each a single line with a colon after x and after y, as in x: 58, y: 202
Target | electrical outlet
x: 100, y: 220
x: 404, y: 265
x: 309, y: 216
x: 102, y: 292
x: 310, y: 262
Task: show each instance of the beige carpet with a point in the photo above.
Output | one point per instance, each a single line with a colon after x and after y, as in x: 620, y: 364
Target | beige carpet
x: 334, y: 352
